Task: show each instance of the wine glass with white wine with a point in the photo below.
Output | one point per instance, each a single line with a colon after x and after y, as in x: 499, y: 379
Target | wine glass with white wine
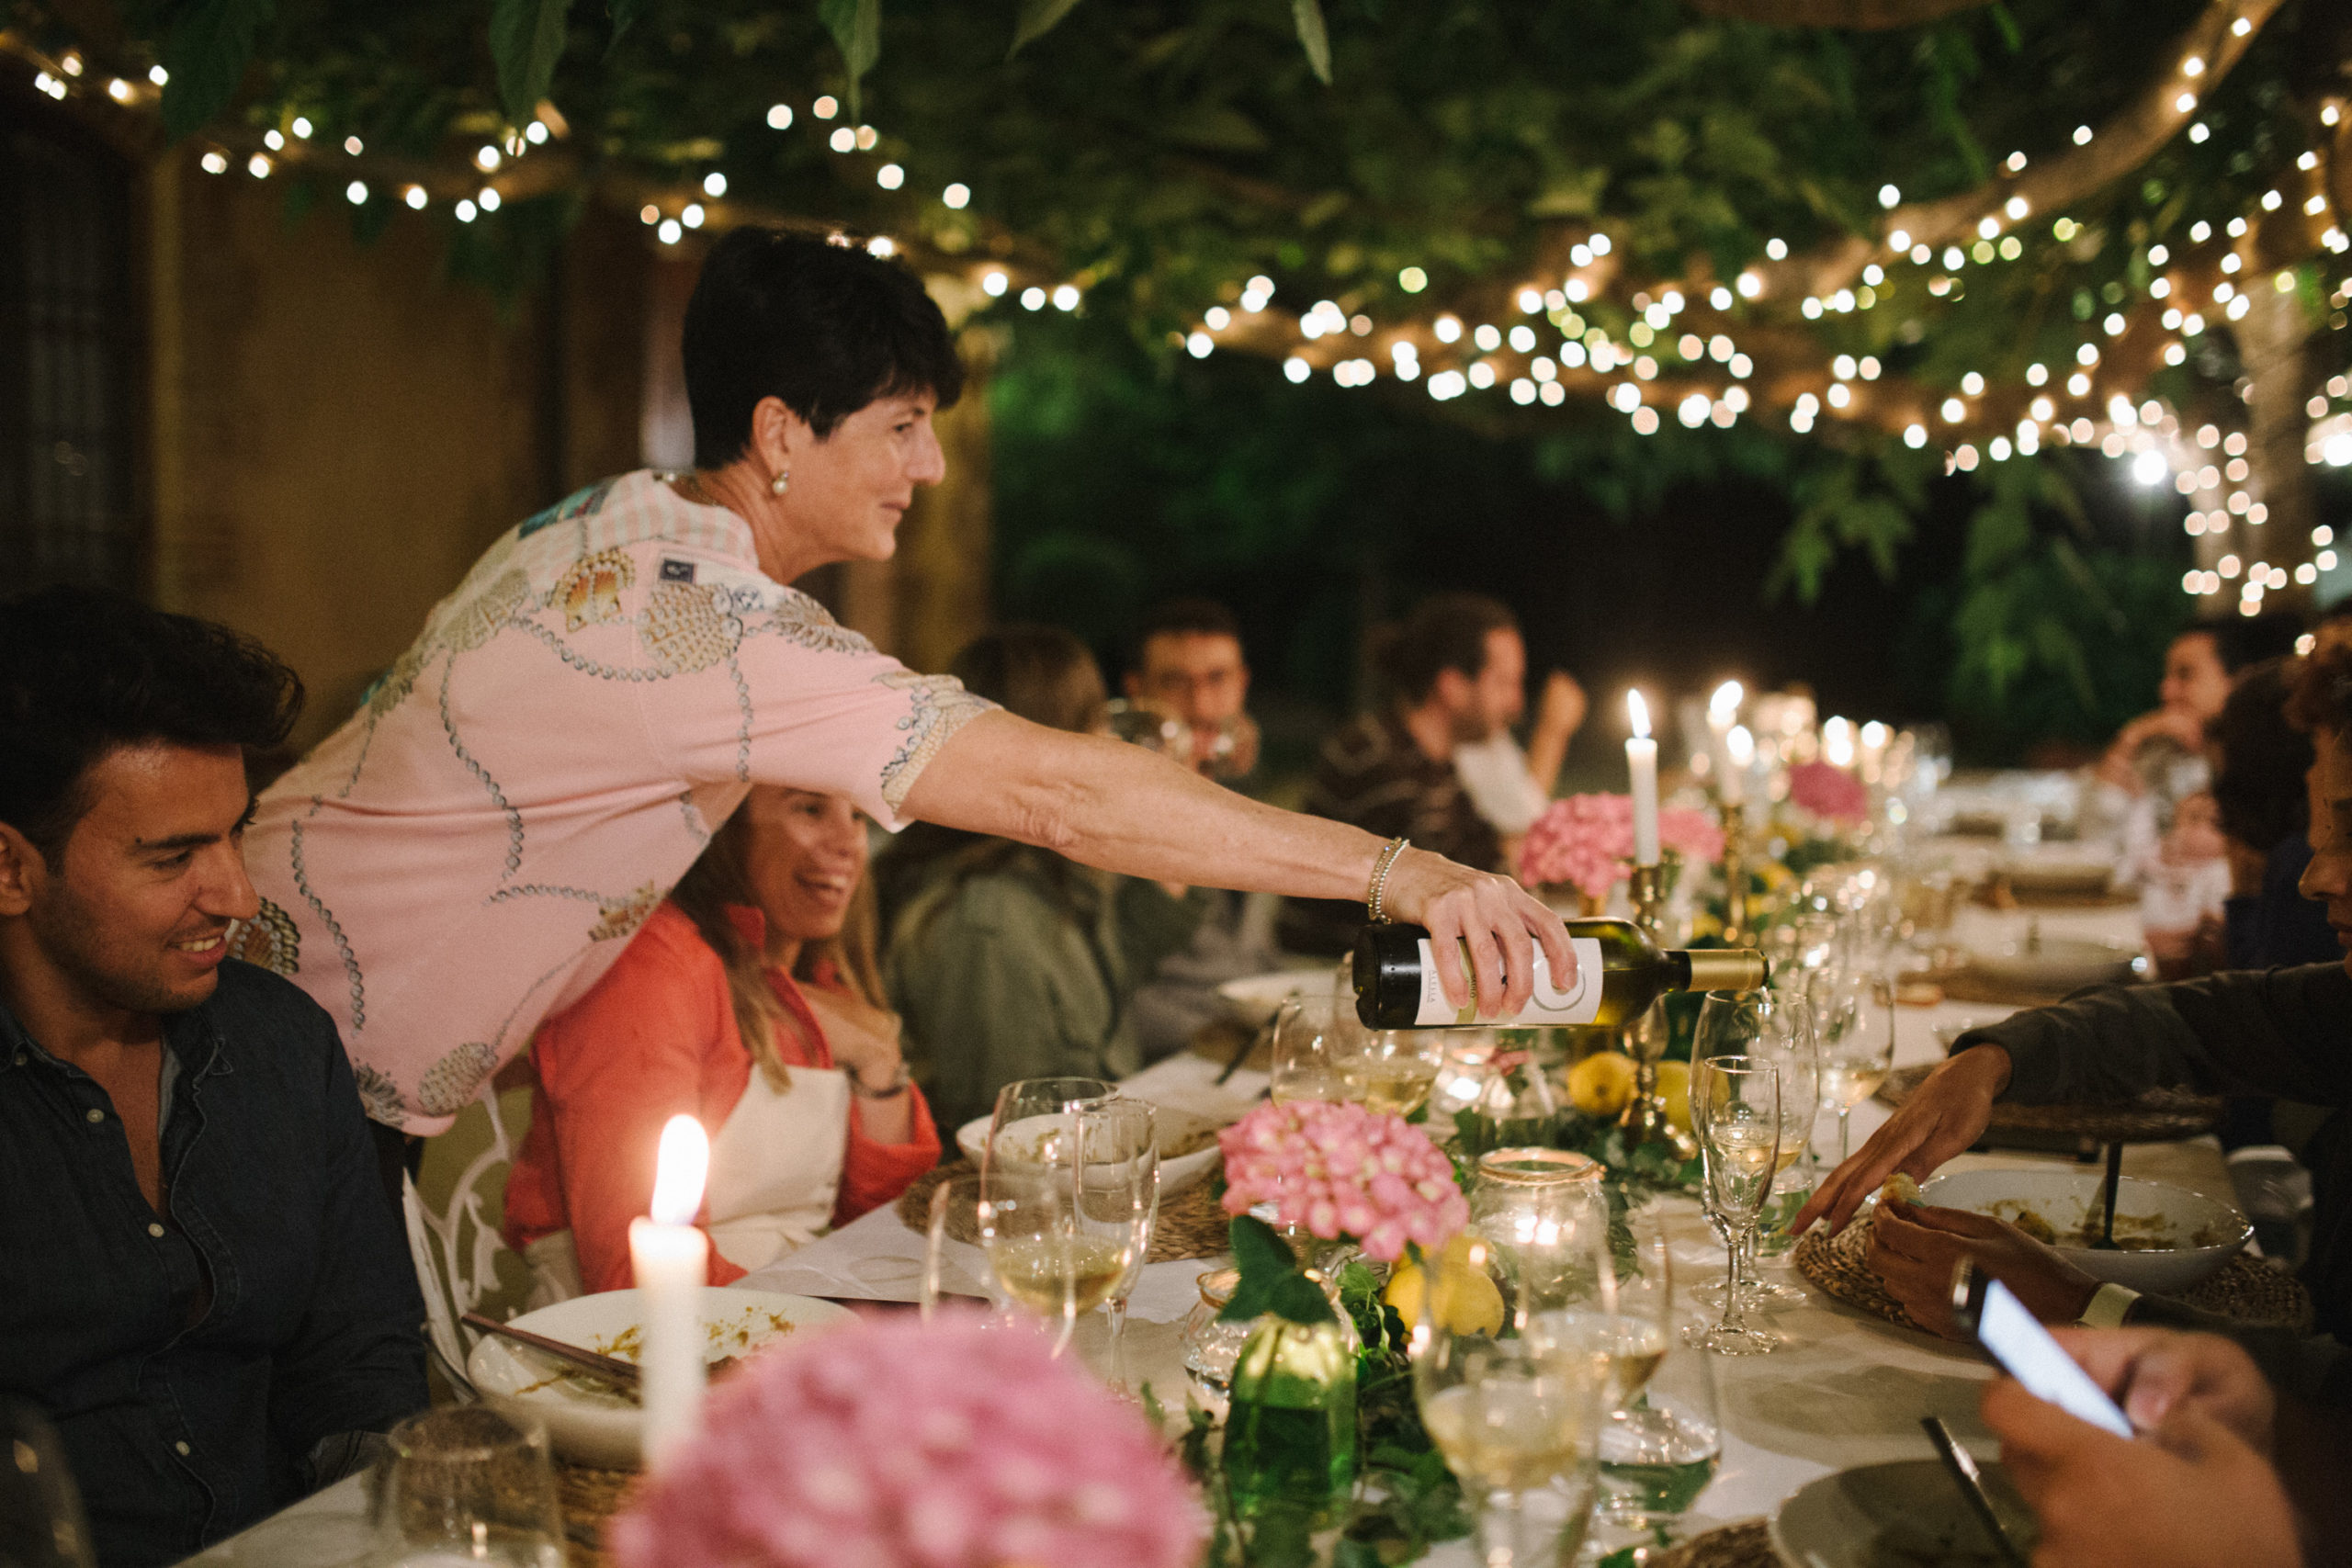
x: 1118, y: 1203
x: 1854, y: 1020
x: 1659, y: 1447
x: 1775, y: 1027
x: 1035, y: 1261
x: 1397, y: 1068
x: 1314, y: 1051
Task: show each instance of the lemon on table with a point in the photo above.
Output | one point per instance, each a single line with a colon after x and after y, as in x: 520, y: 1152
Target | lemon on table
x: 1674, y: 1088
x: 1465, y: 1302
x: 1601, y: 1083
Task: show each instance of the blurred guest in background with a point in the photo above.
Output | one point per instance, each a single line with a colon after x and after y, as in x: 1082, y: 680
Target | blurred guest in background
x: 751, y: 1002
x: 2261, y: 786
x: 202, y: 1285
x: 1511, y: 787
x: 1189, y: 663
x: 1455, y: 674
x: 1008, y: 961
x: 2198, y: 669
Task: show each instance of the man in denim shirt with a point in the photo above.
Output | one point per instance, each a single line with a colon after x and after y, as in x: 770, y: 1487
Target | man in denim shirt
x: 201, y: 1283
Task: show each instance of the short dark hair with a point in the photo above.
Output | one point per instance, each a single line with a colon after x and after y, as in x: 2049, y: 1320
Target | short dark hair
x: 828, y: 328
x: 84, y: 671
x: 2323, y: 694
x: 1445, y: 631
x: 2243, y: 640
x: 1041, y: 674
x: 2258, y: 785
x: 1186, y: 617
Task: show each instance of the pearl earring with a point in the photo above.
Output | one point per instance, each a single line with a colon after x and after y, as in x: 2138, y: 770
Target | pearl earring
x: 779, y: 484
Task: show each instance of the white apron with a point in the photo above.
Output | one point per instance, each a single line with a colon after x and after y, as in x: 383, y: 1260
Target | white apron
x: 776, y: 1166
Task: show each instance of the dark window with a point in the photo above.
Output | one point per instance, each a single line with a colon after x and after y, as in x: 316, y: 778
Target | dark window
x: 68, y: 355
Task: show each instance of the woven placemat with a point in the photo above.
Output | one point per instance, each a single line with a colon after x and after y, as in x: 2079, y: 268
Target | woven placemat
x: 2245, y: 1288
x: 1191, y: 1225
x: 590, y: 1498
x: 1748, y: 1544
x: 2159, y: 1116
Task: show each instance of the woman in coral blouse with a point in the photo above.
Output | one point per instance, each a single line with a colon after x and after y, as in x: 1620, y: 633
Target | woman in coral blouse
x: 749, y: 1002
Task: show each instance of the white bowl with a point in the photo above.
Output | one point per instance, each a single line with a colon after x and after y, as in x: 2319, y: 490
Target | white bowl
x: 2060, y: 876
x: 1175, y: 1127
x: 1907, y: 1511
x: 588, y: 1423
x: 1254, y: 999
x: 2144, y: 1210
x: 2059, y: 963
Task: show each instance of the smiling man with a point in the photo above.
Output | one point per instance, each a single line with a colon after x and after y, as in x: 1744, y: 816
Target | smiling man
x: 2285, y: 1032
x: 200, y: 1281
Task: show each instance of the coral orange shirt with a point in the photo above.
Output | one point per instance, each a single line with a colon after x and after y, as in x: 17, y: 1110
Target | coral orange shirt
x: 655, y: 1037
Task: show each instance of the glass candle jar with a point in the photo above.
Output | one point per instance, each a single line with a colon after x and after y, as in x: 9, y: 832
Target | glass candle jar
x: 1212, y: 1345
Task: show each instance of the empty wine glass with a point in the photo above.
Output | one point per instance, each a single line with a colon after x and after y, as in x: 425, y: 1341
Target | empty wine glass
x: 1775, y: 1027
x: 466, y: 1485
x: 1854, y: 1020
x: 1031, y: 1124
x: 1118, y: 1203
x: 1314, y: 1051
x: 1736, y: 1112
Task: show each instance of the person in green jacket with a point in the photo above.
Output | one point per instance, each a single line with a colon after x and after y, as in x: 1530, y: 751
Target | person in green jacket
x: 1006, y: 960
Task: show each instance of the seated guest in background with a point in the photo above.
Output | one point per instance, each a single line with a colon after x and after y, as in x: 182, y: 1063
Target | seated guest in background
x: 1454, y: 673
x: 2223, y: 1470
x: 2261, y: 767
x: 1008, y: 961
x: 2285, y: 1032
x: 1189, y: 663
x: 201, y: 1283
x: 1511, y: 787
x: 749, y: 1002
x: 2199, y: 667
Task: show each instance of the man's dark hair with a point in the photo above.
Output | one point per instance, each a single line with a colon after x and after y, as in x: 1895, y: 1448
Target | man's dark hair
x: 1445, y: 631
x: 1186, y: 617
x: 827, y: 328
x: 2243, y: 640
x: 84, y: 671
x: 2258, y: 785
x: 2323, y: 694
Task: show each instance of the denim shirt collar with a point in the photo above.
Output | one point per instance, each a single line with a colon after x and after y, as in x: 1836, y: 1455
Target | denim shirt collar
x: 191, y: 1036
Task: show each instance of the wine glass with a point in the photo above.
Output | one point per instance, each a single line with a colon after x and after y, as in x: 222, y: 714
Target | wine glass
x: 1151, y: 726
x: 1030, y: 1125
x: 1775, y: 1027
x: 466, y: 1484
x: 1399, y: 1067
x: 1314, y: 1049
x: 1515, y: 1418
x: 1736, y: 1112
x: 1025, y: 1226
x: 1854, y: 1020
x: 1118, y: 1203
x: 1659, y: 1448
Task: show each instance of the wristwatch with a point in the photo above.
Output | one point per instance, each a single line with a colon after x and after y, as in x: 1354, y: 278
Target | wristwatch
x: 897, y: 1086
x: 2110, y: 1305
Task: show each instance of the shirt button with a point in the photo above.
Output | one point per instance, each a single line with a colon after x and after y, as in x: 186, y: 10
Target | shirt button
x: 155, y: 1230
x: 182, y: 1449
x: 94, y: 1115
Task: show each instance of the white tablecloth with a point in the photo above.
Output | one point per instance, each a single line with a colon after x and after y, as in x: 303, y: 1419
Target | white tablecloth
x: 1848, y: 1389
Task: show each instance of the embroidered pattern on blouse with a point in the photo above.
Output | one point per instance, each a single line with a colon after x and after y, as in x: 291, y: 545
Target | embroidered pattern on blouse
x: 589, y: 591
x: 497, y: 795
x: 796, y: 618
x: 269, y: 940
x: 334, y: 926
x: 378, y: 1096
x: 478, y: 620
x: 584, y: 503
x: 938, y: 706
x: 623, y: 917
x: 686, y: 629
x: 449, y: 1085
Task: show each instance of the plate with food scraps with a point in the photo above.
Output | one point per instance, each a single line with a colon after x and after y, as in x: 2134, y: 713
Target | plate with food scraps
x: 589, y: 1420
x: 2168, y: 1238
x: 1906, y: 1514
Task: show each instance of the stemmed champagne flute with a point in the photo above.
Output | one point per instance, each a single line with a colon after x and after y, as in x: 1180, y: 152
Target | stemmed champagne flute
x: 1854, y: 1020
x: 1736, y: 1112
x: 1118, y: 1201
x: 1775, y: 1027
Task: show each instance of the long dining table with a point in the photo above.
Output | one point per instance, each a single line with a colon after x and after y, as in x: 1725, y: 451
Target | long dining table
x: 1848, y: 1389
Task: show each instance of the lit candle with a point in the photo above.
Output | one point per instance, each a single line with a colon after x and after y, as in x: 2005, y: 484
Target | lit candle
x: 1722, y: 716
x: 1739, y: 755
x: 1838, y: 742
x: 1874, y: 738
x: 1641, y: 761
x: 671, y: 1260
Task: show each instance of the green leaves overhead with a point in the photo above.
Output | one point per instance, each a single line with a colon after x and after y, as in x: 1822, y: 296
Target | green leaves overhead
x: 526, y: 40
x: 1312, y: 37
x: 857, y: 27
x: 210, y: 44
x: 1037, y: 18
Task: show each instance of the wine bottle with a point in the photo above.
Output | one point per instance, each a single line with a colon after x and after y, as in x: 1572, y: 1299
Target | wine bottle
x: 1620, y: 972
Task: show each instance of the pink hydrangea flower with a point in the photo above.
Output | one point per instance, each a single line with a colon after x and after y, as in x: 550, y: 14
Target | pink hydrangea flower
x: 1586, y: 842
x: 1342, y: 1171
x: 902, y: 1444
x: 1829, y: 792
x: 1693, y: 834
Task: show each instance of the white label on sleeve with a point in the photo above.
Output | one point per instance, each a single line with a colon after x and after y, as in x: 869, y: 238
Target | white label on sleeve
x: 1548, y: 1007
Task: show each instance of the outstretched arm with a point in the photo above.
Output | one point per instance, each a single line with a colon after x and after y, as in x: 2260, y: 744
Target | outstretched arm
x: 1129, y: 810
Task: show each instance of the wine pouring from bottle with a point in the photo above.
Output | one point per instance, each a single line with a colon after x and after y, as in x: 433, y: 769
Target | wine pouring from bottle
x: 1620, y: 972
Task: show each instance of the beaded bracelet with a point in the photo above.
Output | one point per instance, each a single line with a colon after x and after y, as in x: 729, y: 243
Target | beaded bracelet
x: 1388, y: 853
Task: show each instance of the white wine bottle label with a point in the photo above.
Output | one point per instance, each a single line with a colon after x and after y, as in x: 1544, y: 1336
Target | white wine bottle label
x: 1548, y: 1007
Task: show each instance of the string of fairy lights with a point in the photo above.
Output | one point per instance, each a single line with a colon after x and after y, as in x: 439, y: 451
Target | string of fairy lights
x: 1681, y: 356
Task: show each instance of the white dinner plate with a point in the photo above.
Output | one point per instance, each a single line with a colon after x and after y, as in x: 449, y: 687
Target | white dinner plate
x: 1177, y: 1172
x: 2059, y: 963
x: 1255, y: 998
x: 1907, y: 1512
x: 589, y: 1424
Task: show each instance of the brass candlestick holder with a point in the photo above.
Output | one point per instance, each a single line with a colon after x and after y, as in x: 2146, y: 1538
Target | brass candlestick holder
x: 1734, y: 822
x: 1644, y: 1039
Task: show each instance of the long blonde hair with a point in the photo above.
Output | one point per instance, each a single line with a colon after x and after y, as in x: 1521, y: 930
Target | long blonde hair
x: 722, y: 877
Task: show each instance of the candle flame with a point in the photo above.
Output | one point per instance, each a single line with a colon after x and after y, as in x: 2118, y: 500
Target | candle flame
x: 1838, y: 742
x: 1874, y: 734
x: 1727, y: 699
x: 1741, y: 745
x: 679, y: 1170
x: 1639, y: 712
